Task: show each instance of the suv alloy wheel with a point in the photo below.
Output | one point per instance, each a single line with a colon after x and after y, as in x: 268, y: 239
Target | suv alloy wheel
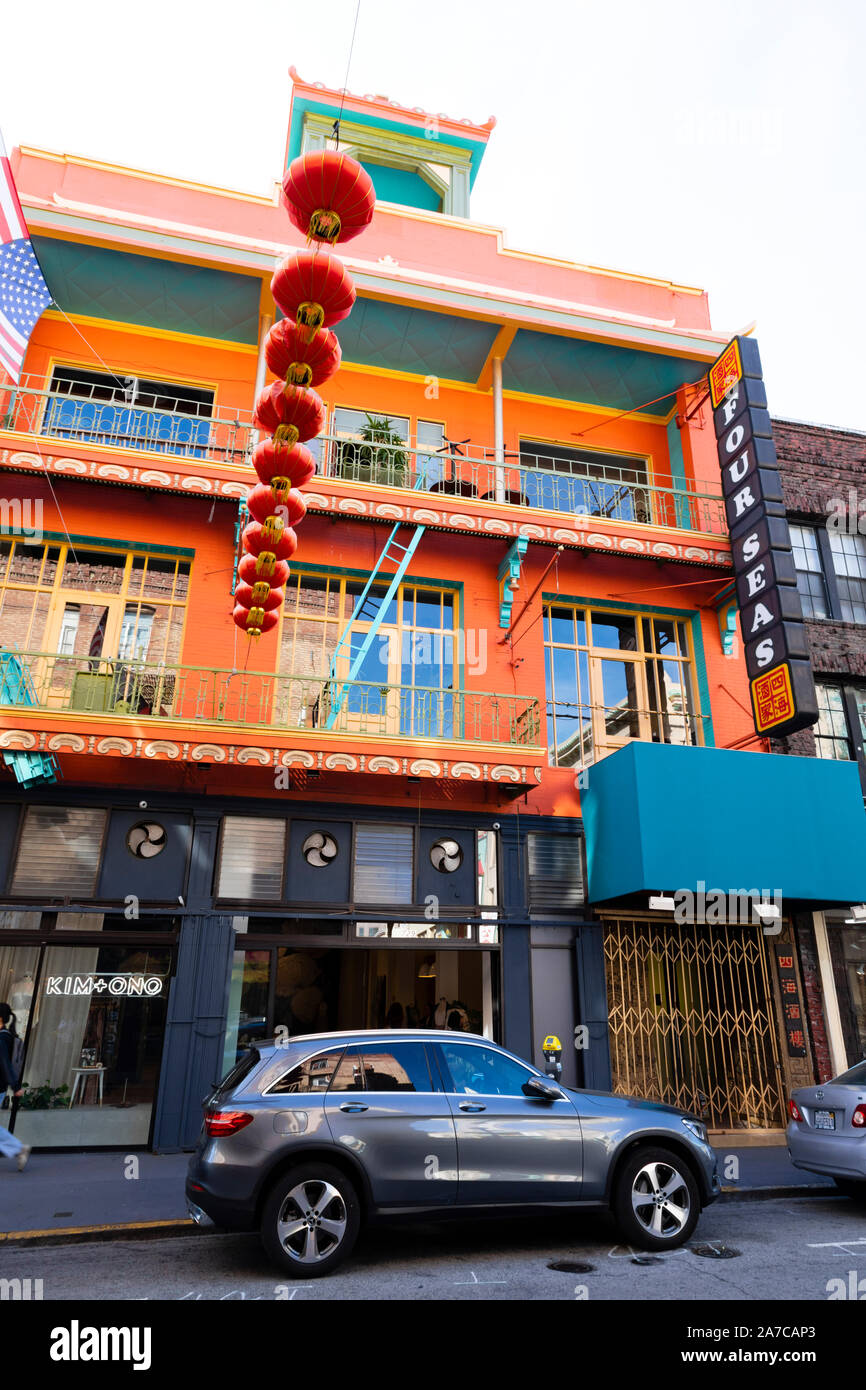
x: 656, y: 1200
x: 310, y: 1220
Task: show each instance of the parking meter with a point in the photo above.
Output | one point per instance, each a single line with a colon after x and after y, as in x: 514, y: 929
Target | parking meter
x: 552, y: 1049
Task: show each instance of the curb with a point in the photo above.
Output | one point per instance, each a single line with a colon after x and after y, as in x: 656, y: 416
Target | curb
x: 80, y: 1235
x: 158, y: 1230
x: 767, y: 1194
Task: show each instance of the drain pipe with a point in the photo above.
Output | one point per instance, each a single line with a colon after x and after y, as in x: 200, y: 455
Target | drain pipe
x: 260, y: 365
x: 498, y: 431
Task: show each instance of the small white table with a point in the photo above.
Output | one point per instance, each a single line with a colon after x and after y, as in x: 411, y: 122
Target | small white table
x: 86, y: 1073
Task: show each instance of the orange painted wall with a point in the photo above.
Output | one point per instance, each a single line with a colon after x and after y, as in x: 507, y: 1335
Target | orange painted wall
x: 468, y: 413
x: 230, y: 371
x: 465, y: 413
x: 211, y: 639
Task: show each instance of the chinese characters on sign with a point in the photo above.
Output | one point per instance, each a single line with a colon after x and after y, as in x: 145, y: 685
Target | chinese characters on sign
x: 794, y: 1031
x: 771, y: 616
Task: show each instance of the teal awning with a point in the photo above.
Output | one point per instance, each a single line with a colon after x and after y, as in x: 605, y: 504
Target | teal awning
x: 660, y: 818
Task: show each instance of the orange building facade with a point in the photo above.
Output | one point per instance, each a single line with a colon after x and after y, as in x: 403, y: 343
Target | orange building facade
x: 205, y: 838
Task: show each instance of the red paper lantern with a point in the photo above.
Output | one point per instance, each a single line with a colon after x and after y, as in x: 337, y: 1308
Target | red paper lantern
x: 328, y: 196
x: 293, y: 465
x: 260, y: 543
x: 259, y: 595
x: 254, y: 621
x: 266, y: 501
x: 314, y: 289
x: 252, y: 569
x: 298, y: 359
x: 290, y: 413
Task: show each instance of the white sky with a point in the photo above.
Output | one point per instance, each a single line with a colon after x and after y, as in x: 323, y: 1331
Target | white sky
x: 715, y: 144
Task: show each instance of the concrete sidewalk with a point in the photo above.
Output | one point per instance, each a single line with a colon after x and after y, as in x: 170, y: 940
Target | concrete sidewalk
x: 82, y: 1192
x: 763, y: 1170
x: 68, y: 1191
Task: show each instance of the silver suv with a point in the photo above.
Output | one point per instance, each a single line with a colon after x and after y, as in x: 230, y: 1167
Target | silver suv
x: 302, y: 1141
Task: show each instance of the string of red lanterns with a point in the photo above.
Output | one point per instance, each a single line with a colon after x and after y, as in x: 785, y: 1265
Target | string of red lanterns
x: 330, y: 198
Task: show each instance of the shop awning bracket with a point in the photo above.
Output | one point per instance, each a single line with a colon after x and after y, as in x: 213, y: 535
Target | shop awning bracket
x: 508, y: 575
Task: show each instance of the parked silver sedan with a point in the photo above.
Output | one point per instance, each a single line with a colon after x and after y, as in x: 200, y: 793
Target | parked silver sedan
x: 827, y: 1130
x: 305, y: 1141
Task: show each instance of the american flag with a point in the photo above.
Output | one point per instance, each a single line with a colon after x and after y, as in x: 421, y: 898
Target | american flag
x: 23, y: 291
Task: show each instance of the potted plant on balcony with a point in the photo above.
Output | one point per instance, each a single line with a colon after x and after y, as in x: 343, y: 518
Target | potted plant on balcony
x: 377, y: 456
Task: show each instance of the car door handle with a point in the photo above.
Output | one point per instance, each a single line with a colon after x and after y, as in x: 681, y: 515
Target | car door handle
x: 471, y: 1106
x: 352, y: 1107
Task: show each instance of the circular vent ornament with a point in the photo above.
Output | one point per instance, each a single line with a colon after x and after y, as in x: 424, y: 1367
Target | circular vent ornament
x: 146, y: 840
x: 446, y: 856
x: 319, y: 849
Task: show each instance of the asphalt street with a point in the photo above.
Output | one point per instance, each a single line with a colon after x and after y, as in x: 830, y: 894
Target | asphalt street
x: 797, y: 1248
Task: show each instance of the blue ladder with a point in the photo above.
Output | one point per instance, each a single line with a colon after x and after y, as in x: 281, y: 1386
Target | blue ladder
x: 16, y: 688
x: 397, y: 554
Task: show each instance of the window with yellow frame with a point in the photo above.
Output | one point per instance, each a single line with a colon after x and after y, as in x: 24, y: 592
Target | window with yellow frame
x: 613, y: 676
x: 80, y: 600
x: 412, y: 651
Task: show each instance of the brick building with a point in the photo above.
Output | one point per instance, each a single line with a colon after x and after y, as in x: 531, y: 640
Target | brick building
x: 823, y: 473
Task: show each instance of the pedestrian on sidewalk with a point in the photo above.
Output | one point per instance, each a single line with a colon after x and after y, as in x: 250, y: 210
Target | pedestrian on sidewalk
x: 9, y: 1080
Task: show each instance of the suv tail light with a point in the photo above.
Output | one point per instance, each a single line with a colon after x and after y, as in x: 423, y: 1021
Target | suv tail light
x: 858, y: 1119
x: 218, y: 1122
x: 794, y: 1111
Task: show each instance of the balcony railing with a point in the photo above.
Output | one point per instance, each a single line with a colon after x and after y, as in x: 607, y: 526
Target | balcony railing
x: 579, y: 735
x: 123, y: 689
x: 571, y: 486
x: 222, y: 436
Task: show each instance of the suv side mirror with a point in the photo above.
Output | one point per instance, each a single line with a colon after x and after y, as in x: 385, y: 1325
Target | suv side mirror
x: 539, y: 1089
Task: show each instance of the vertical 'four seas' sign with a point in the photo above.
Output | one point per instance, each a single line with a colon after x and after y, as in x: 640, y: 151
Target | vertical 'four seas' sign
x: 771, y: 616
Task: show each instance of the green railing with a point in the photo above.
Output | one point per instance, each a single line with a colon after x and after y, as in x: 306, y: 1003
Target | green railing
x: 580, y: 734
x: 135, y: 690
x: 574, y: 487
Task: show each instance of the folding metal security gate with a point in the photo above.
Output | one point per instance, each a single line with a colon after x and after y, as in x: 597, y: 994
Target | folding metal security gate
x: 692, y: 1020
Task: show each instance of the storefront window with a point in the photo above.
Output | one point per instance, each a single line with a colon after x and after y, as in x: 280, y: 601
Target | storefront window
x: 414, y: 931
x: 93, y: 1046
x: 19, y: 966
x: 248, y: 1004
x: 322, y: 989
x: 848, y: 954
x: 487, y: 879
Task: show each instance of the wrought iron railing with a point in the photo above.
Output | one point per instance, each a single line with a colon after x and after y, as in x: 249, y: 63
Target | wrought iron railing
x: 572, y: 486
x: 576, y: 487
x: 125, y: 689
x: 224, y: 436
x: 580, y: 734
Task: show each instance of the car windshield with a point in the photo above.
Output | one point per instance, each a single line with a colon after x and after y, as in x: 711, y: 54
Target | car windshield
x: 855, y: 1077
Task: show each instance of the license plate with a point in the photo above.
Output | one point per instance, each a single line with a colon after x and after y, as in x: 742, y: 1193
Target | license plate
x: 825, y: 1119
